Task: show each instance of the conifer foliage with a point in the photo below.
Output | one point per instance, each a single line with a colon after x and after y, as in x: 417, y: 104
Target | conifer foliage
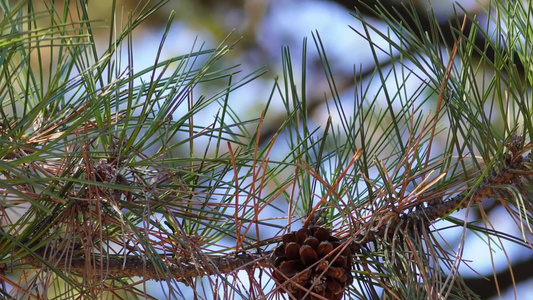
x: 126, y: 183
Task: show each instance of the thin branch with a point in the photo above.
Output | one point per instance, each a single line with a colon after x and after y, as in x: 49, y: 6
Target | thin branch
x: 182, y: 269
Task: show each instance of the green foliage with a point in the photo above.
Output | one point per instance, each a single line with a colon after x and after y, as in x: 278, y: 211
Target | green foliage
x: 111, y: 177
x: 100, y: 154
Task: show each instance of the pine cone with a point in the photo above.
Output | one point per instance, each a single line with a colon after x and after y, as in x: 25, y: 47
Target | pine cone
x: 304, y: 271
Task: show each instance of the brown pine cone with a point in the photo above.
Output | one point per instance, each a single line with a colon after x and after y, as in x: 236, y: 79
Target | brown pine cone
x: 311, y: 263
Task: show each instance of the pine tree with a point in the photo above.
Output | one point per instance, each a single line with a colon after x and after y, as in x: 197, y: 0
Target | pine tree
x: 112, y: 186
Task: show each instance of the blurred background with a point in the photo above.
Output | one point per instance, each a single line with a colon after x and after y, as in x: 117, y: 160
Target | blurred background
x: 262, y: 28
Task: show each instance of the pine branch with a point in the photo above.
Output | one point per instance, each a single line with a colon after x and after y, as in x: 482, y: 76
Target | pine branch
x: 181, y: 269
x: 515, y: 168
x: 96, y: 164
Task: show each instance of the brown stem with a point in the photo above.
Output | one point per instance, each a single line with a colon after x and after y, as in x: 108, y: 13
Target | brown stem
x: 184, y: 270
x: 181, y: 269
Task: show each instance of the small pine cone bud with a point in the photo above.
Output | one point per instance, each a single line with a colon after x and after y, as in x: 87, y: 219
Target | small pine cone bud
x: 312, y: 264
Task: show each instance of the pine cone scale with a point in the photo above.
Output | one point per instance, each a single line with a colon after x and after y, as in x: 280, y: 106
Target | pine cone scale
x: 312, y: 264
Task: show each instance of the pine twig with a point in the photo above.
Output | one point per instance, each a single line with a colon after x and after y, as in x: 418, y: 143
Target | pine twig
x: 181, y: 269
x: 515, y: 168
